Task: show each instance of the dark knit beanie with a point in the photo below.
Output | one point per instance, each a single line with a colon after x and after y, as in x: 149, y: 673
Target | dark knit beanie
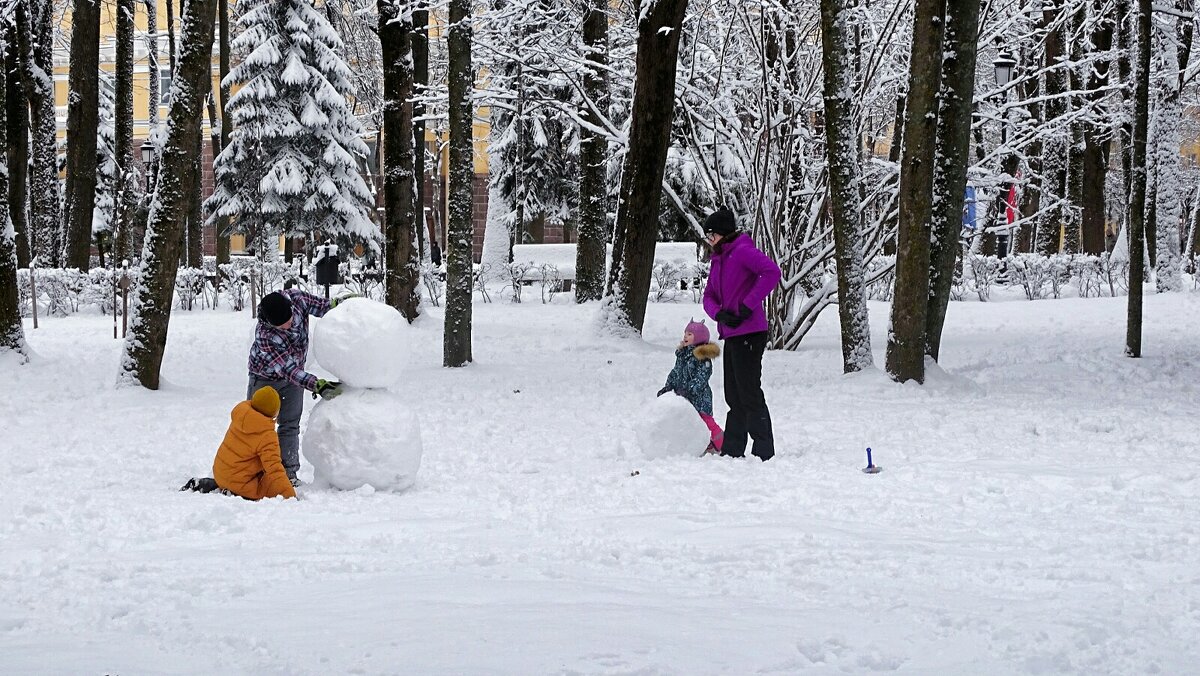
x: 721, y: 222
x: 275, y: 309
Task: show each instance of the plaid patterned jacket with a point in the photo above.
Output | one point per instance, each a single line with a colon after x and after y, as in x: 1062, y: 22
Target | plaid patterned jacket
x: 281, y: 355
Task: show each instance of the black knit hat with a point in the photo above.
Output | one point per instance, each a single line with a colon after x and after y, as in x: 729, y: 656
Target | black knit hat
x: 721, y: 221
x: 275, y: 309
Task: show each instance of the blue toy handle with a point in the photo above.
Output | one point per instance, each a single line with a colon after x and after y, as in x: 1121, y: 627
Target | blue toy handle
x: 869, y: 463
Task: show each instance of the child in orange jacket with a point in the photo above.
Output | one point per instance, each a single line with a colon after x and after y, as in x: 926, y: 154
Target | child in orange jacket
x: 247, y: 463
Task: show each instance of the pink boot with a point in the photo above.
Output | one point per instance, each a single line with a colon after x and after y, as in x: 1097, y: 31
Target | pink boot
x: 717, y: 435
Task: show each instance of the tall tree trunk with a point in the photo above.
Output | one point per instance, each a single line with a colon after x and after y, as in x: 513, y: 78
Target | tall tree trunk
x: 843, y: 157
x: 35, y: 36
x: 1031, y: 196
x: 147, y: 339
x: 653, y: 109
x: 172, y: 54
x: 1168, y: 209
x: 152, y: 70
x: 123, y: 242
x: 1126, y: 33
x: 403, y: 259
x: 17, y: 107
x: 420, y: 56
x: 1057, y: 147
x: 83, y: 124
x: 194, y: 211
x: 1137, y: 197
x: 593, y: 153
x: 12, y: 332
x: 906, y: 337
x: 1073, y: 209
x: 1093, y: 199
x: 222, y: 226
x: 953, y: 152
x: 460, y: 233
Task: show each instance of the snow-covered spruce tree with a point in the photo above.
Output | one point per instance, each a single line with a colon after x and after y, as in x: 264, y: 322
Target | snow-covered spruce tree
x: 35, y: 39
x: 291, y: 165
x: 12, y: 333
x: 460, y: 235
x: 147, y: 339
x: 82, y: 126
x: 844, y: 189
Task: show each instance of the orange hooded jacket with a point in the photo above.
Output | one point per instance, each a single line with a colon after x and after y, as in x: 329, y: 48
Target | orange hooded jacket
x: 247, y: 462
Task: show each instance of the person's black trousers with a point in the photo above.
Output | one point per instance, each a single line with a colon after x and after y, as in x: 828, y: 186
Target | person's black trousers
x: 748, y: 414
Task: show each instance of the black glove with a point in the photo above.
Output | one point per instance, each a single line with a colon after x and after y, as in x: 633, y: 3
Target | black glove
x: 663, y: 391
x: 729, y: 319
x: 744, y: 312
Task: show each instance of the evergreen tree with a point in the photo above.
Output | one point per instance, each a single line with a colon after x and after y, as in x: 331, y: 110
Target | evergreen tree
x: 291, y: 165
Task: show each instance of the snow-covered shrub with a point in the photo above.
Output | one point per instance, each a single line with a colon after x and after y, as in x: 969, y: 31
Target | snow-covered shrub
x: 190, y: 285
x: 435, y: 283
x: 482, y: 274
x: 235, y: 285
x: 1085, y: 271
x: 1116, y: 273
x: 985, y: 271
x: 1032, y: 272
x: 667, y: 276
x: 517, y: 275
x: 550, y: 281
x: 366, y: 283
x: 698, y: 280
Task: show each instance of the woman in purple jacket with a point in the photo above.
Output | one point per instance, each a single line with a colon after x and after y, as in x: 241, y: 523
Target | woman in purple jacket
x: 739, y: 282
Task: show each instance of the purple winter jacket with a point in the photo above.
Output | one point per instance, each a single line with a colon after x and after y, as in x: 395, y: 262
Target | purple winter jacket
x: 740, y: 275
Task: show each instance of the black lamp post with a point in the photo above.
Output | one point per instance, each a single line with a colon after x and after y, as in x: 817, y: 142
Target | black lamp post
x: 1005, y: 65
x: 147, y: 160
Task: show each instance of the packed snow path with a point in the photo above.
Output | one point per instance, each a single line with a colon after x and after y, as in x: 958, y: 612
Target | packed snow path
x: 1037, y: 512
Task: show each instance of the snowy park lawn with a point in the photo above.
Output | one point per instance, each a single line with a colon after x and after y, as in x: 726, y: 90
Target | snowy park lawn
x: 1037, y: 512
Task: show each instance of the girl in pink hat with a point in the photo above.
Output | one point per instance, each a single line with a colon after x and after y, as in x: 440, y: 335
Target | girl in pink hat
x: 689, y: 378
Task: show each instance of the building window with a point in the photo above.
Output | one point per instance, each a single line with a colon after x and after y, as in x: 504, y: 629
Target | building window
x: 164, y: 86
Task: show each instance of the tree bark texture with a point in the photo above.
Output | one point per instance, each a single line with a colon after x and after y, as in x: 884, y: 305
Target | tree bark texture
x: 152, y: 70
x: 147, y: 339
x: 844, y: 183
x: 124, y: 244
x: 1073, y: 209
x: 906, y: 335
x: 953, y: 152
x: 1057, y: 147
x: 17, y: 108
x: 460, y: 235
x: 226, y: 123
x: 83, y: 124
x: 420, y: 56
x: 652, y: 111
x: 1137, y: 192
x: 403, y: 259
x: 1095, y: 148
x: 593, y: 153
x: 35, y: 36
x: 12, y: 332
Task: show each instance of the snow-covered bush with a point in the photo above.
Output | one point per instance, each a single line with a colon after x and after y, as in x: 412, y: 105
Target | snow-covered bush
x: 517, y: 275
x: 190, y: 285
x: 985, y: 271
x: 666, y: 277
x: 550, y: 281
x: 435, y: 283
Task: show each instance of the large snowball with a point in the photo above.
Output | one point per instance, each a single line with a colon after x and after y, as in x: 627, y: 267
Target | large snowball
x: 363, y: 437
x: 670, y: 426
x: 361, y: 342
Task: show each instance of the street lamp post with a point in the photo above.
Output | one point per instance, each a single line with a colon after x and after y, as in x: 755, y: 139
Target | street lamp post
x: 1004, y: 66
x: 147, y: 160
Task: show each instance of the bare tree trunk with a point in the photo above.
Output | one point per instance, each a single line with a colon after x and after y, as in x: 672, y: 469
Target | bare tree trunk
x: 593, y: 152
x: 844, y: 190
x: 460, y: 233
x: 172, y: 53
x: 222, y: 226
x: 83, y: 124
x: 35, y: 39
x: 18, y: 145
x: 1095, y: 152
x: 1137, y: 197
x: 420, y: 56
x: 906, y: 337
x: 142, y: 361
x: 12, y: 332
x: 953, y: 151
x: 194, y: 211
x: 1073, y: 210
x: 152, y: 70
x: 652, y: 111
x: 403, y: 259
x: 1057, y: 148
x: 123, y: 244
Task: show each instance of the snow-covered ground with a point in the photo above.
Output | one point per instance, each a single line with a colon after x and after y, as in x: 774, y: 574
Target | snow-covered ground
x: 1037, y: 512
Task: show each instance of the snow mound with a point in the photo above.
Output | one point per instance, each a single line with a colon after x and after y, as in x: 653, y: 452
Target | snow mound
x: 363, y: 437
x: 670, y: 426
x: 361, y: 342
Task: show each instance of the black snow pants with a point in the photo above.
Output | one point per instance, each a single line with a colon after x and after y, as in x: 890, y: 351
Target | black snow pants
x: 748, y: 412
